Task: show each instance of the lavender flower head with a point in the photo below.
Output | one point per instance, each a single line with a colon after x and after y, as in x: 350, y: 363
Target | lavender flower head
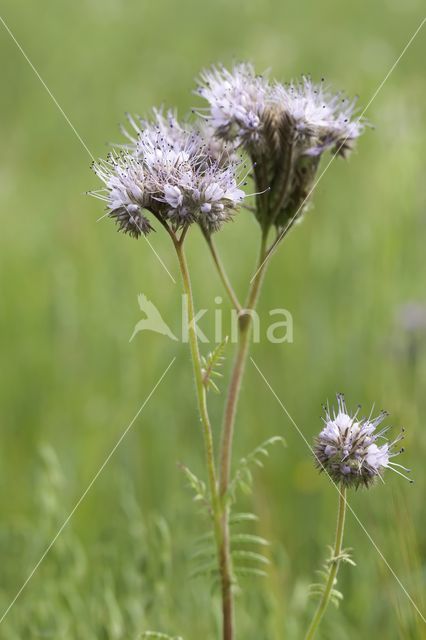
x: 183, y: 174
x: 285, y: 129
x: 169, y: 170
x: 319, y: 118
x: 349, y: 449
x: 244, y: 105
x: 237, y: 100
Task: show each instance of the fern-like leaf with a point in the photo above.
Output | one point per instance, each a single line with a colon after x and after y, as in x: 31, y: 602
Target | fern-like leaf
x: 317, y: 589
x: 206, y: 569
x: 243, y: 477
x: 238, y: 518
x: 248, y: 538
x: 204, y: 558
x: 240, y: 556
x: 245, y: 562
x: 211, y: 363
x: 249, y: 572
x: 344, y: 556
x: 208, y: 551
x: 198, y: 486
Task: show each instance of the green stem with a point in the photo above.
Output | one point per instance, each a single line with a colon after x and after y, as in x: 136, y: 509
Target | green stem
x: 334, y: 566
x: 203, y: 411
x: 245, y: 321
x: 222, y: 273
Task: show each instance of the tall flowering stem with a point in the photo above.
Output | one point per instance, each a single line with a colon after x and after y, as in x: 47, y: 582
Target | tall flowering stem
x: 284, y: 130
x: 201, y: 398
x: 334, y: 566
x: 245, y: 322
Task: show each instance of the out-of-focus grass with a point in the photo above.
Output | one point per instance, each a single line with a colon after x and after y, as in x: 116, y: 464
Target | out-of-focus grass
x: 70, y: 379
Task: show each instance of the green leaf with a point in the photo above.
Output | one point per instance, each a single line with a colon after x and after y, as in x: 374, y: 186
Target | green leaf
x: 249, y: 556
x: 318, y: 588
x: 237, y: 518
x: 204, y: 552
x: 248, y: 538
x: 210, y: 363
x: 197, y: 485
x: 250, y: 572
x: 243, y: 478
x: 205, y: 569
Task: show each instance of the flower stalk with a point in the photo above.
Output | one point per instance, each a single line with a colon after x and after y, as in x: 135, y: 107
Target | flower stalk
x: 244, y: 333
x: 201, y: 395
x: 334, y: 566
x: 245, y: 322
x: 222, y: 272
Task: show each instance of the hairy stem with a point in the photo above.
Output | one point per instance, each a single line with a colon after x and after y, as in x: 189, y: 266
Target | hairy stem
x: 222, y: 272
x: 245, y: 321
x: 334, y: 567
x: 208, y: 435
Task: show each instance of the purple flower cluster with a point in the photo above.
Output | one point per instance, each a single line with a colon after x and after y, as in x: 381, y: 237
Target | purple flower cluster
x: 169, y: 170
x: 351, y: 450
x: 185, y: 173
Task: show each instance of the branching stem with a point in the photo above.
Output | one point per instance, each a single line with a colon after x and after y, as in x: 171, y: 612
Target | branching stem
x: 245, y: 321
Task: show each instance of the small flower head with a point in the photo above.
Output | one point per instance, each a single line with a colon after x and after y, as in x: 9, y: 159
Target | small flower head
x: 320, y: 119
x: 169, y: 170
x: 124, y: 192
x: 285, y: 129
x: 237, y: 101
x: 352, y: 451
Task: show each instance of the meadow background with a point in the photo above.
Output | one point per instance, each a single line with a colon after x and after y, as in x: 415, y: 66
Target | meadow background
x: 70, y: 382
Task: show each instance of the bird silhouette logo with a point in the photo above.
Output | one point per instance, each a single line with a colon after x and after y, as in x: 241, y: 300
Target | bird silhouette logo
x: 153, y: 320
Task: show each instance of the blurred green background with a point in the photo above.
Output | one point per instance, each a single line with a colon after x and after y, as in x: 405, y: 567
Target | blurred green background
x: 71, y: 382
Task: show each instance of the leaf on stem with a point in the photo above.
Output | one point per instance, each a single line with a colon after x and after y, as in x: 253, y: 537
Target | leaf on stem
x: 211, y: 363
x: 198, y: 486
x: 243, y: 476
